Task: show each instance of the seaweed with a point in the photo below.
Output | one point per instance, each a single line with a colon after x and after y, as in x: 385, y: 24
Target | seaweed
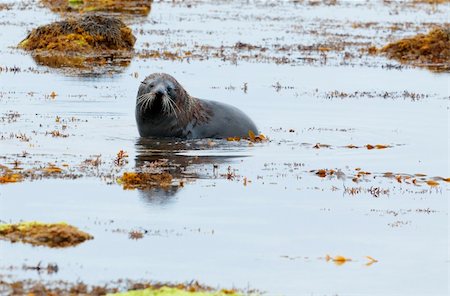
x: 145, y: 288
x: 432, y: 1
x: 53, y: 235
x: 168, y: 291
x: 145, y: 180
x: 430, y: 50
x: 141, y: 7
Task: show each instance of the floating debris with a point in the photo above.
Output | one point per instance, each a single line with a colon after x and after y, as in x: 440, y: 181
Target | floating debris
x: 9, y: 176
x: 5, y: 6
x: 53, y: 235
x: 338, y: 260
x: 135, y: 234
x: 251, y: 137
x: 378, y: 146
x: 52, y: 169
x: 319, y: 145
x: 121, y: 158
x: 432, y: 183
x: 371, y: 260
x: 324, y: 172
x: 361, y: 175
x: 49, y: 269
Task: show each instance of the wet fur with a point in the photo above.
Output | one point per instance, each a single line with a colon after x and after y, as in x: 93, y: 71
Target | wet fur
x: 165, y: 109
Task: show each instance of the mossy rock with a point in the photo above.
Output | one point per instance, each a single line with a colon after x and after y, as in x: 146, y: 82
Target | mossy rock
x: 54, y: 235
x: 84, y: 34
x: 90, y: 40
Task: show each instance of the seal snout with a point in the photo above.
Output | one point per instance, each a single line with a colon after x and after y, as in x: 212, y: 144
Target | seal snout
x: 159, y: 92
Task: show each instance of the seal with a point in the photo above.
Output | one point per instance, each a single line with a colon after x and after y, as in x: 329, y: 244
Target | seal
x: 165, y: 110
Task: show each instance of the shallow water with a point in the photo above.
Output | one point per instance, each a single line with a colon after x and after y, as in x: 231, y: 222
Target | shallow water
x: 273, y: 233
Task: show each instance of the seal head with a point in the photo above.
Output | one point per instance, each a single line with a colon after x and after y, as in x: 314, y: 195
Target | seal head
x: 164, y: 109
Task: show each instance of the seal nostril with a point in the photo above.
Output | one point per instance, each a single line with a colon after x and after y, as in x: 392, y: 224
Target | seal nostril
x: 158, y: 95
x: 159, y: 92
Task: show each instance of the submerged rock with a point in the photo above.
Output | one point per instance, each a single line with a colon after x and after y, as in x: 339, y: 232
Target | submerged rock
x: 82, y: 41
x: 142, y: 7
x: 431, y: 50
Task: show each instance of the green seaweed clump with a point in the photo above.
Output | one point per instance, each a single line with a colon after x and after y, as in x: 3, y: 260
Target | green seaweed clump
x: 166, y: 291
x: 141, y: 7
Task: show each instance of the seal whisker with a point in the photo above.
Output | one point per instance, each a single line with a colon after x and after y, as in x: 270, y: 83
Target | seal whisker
x: 148, y: 103
x: 174, y: 104
x: 141, y: 103
x: 165, y: 107
x: 166, y: 104
x: 145, y: 96
x: 142, y: 96
x: 144, y: 101
x: 171, y: 105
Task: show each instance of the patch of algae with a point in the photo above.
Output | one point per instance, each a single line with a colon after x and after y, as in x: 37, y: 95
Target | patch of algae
x: 10, y: 178
x: 53, y: 288
x: 141, y: 7
x: 143, y: 180
x: 166, y: 291
x: 54, y: 235
x: 430, y: 50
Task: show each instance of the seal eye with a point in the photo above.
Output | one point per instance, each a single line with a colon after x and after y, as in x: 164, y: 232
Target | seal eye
x: 171, y: 91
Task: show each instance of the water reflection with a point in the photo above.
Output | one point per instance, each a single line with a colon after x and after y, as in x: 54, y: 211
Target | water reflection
x: 86, y: 65
x: 186, y: 161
